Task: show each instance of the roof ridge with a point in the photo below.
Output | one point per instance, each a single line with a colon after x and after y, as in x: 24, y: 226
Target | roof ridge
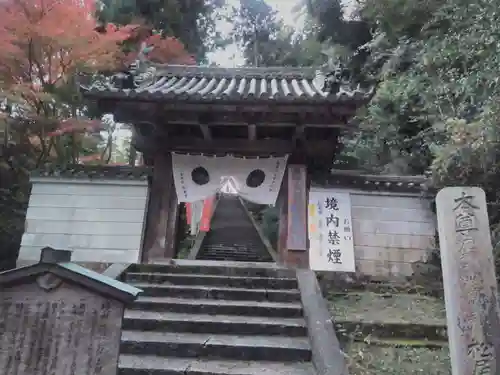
x: 299, y: 72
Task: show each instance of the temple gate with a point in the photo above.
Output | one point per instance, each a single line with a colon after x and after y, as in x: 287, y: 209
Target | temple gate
x: 244, y: 112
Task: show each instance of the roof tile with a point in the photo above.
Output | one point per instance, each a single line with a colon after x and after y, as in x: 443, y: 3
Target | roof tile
x: 361, y: 181
x: 208, y: 83
x: 101, y: 172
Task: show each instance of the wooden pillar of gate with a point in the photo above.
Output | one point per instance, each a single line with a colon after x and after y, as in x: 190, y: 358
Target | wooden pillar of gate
x: 162, y: 213
x: 282, y: 205
x: 293, y: 238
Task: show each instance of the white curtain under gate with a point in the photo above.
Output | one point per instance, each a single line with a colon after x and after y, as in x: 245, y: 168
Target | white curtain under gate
x: 198, y: 177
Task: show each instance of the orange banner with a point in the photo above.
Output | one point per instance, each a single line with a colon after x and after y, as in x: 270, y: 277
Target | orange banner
x: 206, y: 214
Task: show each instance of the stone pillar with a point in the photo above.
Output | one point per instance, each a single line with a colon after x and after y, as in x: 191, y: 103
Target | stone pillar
x: 296, y: 239
x: 161, y: 222
x: 470, y: 286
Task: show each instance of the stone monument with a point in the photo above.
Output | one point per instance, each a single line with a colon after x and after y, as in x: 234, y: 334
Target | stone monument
x: 58, y: 318
x: 469, y: 281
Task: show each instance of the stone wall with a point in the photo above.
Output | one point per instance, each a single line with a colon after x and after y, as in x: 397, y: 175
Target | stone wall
x: 392, y: 231
x: 99, y: 220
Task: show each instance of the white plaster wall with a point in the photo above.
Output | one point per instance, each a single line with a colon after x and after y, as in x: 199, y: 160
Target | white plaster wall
x: 100, y: 221
x: 391, y: 231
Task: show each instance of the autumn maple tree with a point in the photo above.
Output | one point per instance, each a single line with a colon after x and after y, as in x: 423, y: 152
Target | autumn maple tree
x: 44, y: 44
x: 161, y: 49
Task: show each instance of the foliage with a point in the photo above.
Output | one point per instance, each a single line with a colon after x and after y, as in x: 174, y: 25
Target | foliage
x: 270, y: 225
x: 48, y: 43
x: 192, y: 22
x: 436, y: 106
x: 439, y: 90
x: 267, y: 41
x: 160, y: 49
x: 333, y: 26
x: 255, y: 27
x: 436, y: 101
x: 45, y: 44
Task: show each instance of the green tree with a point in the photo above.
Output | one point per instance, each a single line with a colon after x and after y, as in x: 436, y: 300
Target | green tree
x: 436, y: 106
x: 255, y: 30
x: 267, y: 41
x: 192, y: 22
x: 42, y: 118
x: 333, y: 25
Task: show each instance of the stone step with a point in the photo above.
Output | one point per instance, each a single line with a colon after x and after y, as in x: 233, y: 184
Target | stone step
x: 244, y: 348
x: 207, y: 267
x: 246, y: 237
x: 241, y: 241
x: 255, y: 252
x: 234, y: 252
x: 235, y: 258
x: 246, y: 257
x: 236, y: 223
x: 232, y: 259
x: 249, y: 254
x: 223, y: 324
x: 155, y: 365
x: 218, y: 307
x: 218, y: 292
x: 212, y: 280
x: 236, y: 239
x: 234, y: 249
x: 229, y: 250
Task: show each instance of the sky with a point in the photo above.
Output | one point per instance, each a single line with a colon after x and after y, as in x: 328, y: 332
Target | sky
x: 231, y: 56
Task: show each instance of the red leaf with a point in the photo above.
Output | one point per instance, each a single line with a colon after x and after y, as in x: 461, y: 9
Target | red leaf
x: 73, y: 125
x: 46, y: 41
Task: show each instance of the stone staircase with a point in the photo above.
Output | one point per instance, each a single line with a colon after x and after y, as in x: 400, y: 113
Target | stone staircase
x: 208, y: 318
x: 232, y: 235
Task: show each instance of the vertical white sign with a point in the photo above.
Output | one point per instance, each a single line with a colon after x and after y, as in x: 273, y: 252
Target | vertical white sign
x: 330, y: 231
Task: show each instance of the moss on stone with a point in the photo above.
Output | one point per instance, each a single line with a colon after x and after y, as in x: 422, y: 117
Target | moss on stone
x: 383, y: 360
x: 390, y: 308
x: 391, y: 333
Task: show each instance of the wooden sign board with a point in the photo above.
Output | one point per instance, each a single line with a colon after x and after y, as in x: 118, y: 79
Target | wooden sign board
x: 66, y: 331
x: 60, y: 319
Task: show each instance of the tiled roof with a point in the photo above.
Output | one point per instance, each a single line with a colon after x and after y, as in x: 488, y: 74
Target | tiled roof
x: 89, y: 279
x: 99, y: 172
x: 358, y: 180
x: 209, y: 83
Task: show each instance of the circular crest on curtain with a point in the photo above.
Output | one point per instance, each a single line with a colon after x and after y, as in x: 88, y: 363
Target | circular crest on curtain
x: 200, y: 176
x: 255, y: 178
